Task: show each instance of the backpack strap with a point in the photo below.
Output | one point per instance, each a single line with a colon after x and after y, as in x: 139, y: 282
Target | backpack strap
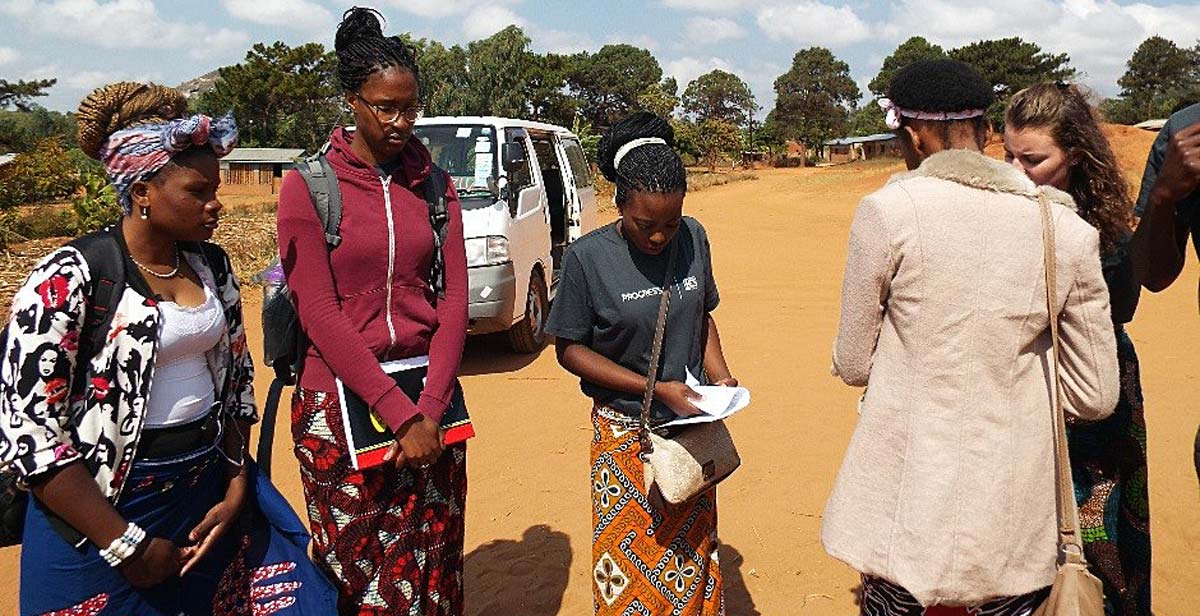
x: 106, y: 264
x: 323, y: 189
x: 439, y: 217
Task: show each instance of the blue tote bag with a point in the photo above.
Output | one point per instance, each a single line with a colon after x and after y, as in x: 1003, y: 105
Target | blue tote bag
x: 272, y: 572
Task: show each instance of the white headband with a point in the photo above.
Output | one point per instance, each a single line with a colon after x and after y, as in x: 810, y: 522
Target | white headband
x: 893, y: 113
x: 633, y: 145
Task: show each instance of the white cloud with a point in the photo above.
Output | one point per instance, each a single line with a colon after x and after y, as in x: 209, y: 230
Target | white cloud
x: 487, y: 20
x: 118, y: 24
x: 560, y: 41
x: 685, y: 70
x: 1099, y: 35
x: 299, y: 14
x: 645, y: 41
x: 8, y: 55
x: 476, y: 18
x: 700, y: 30
x: 709, y: 6
x: 813, y: 23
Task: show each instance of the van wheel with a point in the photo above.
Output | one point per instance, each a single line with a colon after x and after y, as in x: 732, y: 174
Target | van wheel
x: 529, y: 336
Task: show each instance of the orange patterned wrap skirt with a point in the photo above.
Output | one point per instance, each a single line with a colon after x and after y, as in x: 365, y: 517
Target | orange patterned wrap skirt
x: 647, y: 561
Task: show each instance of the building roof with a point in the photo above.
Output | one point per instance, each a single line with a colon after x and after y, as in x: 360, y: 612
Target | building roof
x: 6, y: 158
x: 1151, y: 124
x: 263, y: 155
x: 867, y: 139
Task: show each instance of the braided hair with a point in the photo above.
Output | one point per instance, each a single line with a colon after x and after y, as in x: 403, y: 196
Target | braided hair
x: 363, y: 50
x: 122, y: 105
x: 649, y: 168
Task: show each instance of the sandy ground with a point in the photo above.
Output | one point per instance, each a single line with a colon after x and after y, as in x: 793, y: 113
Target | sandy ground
x: 779, y: 246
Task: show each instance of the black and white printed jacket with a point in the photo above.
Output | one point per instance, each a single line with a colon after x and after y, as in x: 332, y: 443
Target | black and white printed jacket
x: 48, y: 422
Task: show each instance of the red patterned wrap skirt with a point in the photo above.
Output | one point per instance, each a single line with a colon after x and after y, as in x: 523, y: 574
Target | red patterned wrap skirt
x: 392, y: 540
x: 647, y: 561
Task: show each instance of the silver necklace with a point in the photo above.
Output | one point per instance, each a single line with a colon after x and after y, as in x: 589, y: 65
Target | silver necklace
x: 167, y: 276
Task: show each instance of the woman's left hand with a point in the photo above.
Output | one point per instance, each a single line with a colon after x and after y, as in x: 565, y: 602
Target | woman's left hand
x: 728, y: 381
x: 215, y: 524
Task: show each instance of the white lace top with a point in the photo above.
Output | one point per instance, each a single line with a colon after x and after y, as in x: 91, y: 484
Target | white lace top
x: 183, y: 388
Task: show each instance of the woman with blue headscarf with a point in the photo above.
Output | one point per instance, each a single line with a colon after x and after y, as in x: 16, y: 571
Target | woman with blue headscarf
x: 134, y: 450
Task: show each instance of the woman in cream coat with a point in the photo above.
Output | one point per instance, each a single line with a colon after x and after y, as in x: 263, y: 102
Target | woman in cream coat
x: 946, y: 493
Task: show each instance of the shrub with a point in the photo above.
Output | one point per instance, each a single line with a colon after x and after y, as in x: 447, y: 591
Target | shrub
x: 96, y: 206
x: 45, y: 174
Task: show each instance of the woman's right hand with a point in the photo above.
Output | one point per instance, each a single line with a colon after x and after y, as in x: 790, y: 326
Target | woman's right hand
x: 418, y: 443
x: 154, y: 561
x: 678, y: 397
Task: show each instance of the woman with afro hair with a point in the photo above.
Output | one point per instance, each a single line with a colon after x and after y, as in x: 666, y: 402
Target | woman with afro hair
x: 946, y: 495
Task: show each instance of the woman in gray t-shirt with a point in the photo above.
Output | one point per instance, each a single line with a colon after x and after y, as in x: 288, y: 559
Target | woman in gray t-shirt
x: 604, y: 316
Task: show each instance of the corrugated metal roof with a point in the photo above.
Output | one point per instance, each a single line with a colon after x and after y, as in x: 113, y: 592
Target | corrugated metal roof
x: 6, y: 158
x: 1151, y: 124
x: 866, y: 139
x: 262, y: 155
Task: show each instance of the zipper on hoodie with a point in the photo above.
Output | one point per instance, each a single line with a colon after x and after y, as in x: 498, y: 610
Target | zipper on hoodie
x: 386, y: 182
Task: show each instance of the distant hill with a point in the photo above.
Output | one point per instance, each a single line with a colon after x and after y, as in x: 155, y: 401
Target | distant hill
x: 199, y: 85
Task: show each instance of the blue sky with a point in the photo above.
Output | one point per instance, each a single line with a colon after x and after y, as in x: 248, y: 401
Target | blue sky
x: 86, y: 43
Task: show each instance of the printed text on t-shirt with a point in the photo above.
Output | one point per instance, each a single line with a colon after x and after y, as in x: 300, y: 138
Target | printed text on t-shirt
x: 691, y: 283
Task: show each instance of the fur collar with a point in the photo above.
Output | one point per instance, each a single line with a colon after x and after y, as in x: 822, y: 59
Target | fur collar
x: 978, y: 171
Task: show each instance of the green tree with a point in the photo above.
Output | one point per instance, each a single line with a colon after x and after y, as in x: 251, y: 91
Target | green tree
x: 719, y: 95
x: 497, y: 68
x: 282, y: 96
x: 1010, y: 65
x: 814, y: 98
x: 716, y: 138
x: 20, y: 94
x: 546, y: 90
x: 660, y: 98
x: 912, y: 50
x: 44, y: 174
x: 444, y: 89
x: 609, y: 82
x: 20, y: 131
x: 1160, y: 76
x: 868, y: 120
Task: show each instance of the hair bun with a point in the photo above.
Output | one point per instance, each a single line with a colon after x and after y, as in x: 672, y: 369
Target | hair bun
x: 358, y: 23
x: 120, y: 105
x: 634, y: 126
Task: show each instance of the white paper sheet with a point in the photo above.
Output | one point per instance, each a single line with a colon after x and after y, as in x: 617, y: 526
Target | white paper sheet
x: 716, y: 402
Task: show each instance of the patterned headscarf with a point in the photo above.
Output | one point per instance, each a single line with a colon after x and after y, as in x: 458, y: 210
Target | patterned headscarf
x: 135, y: 154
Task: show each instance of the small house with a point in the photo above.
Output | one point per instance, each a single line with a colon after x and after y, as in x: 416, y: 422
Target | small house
x: 256, y: 171
x: 869, y: 147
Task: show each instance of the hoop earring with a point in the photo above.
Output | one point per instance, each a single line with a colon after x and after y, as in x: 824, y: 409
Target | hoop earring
x: 145, y: 213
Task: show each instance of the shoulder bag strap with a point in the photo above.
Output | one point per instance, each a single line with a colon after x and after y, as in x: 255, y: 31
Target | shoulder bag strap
x: 1070, y: 545
x: 655, y: 353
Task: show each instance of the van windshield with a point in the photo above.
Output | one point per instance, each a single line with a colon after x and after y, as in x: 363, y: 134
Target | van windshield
x: 468, y: 154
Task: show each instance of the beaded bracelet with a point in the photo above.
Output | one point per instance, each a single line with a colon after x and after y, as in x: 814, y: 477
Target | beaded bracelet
x: 123, y: 547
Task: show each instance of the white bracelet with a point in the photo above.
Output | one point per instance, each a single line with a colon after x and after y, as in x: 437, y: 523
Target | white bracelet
x: 123, y: 547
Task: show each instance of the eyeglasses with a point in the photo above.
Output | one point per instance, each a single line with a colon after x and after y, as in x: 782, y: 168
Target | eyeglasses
x: 388, y: 114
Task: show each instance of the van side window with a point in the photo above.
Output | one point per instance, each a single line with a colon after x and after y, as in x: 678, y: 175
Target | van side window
x: 522, y: 177
x: 578, y: 161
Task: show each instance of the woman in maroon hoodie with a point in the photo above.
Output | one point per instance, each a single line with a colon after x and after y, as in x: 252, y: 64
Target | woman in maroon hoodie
x: 370, y: 299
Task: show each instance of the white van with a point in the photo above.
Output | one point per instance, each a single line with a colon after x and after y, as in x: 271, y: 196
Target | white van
x: 527, y: 193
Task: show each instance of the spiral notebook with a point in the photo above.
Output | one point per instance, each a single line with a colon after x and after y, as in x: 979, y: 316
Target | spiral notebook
x: 368, y: 437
